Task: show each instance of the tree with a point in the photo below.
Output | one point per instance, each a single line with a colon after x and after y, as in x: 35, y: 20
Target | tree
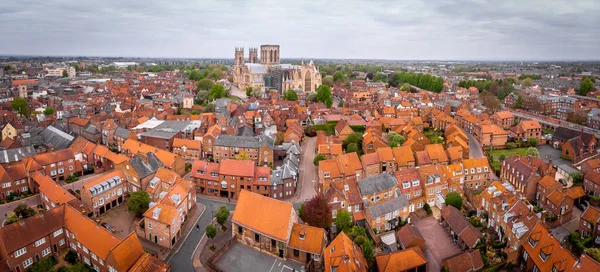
x: 242, y: 155
x: 248, y: 91
x: 202, y: 97
x: 80, y: 267
x: 380, y: 77
x: 324, y: 95
x: 48, y: 111
x: 427, y: 208
x: 222, y: 214
x: 138, y: 202
x: 527, y: 82
x: 502, y: 157
x: 519, y: 103
x: 328, y: 81
x: 533, y: 142
x: 318, y: 158
x: 65, y: 73
x: 311, y: 97
x: 12, y: 218
x: 301, y: 211
x: 343, y: 221
x: 290, y: 95
x: 490, y: 101
x: 532, y: 151
x: 140, y: 69
x: 454, y: 199
x: 25, y: 212
x: 339, y: 77
x: 586, y: 86
x: 367, y: 249
x: 204, y: 84
x: 71, y: 257
x: 209, y: 108
x: 211, y: 231
x: 405, y: 87
x: 316, y: 212
x: 394, y: 137
x: 594, y: 253
x: 195, y: 75
x: 217, y: 91
x: 352, y: 147
x: 256, y: 92
x: 21, y: 106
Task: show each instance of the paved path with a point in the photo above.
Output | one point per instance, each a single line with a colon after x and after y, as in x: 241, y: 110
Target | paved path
x: 306, y: 187
x: 438, y: 242
x: 475, y: 150
x: 181, y: 259
x: 561, y: 233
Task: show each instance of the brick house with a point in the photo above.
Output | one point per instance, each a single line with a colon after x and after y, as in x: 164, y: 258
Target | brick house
x: 434, y: 182
x: 591, y: 183
x: 56, y: 230
x: 542, y: 252
x: 133, y: 148
x: 465, y: 261
x: 409, y: 236
x: 382, y: 160
x: 306, y: 243
x: 189, y: 150
x: 436, y: 153
x: 259, y: 148
x: 411, y: 188
x: 229, y: 177
x: 504, y: 119
x: 347, y: 166
x: 208, y: 140
x: 384, y: 203
x: 343, y: 130
x: 492, y: 134
x: 50, y: 194
x: 464, y: 234
x: 404, y: 157
x: 477, y: 173
x: 120, y: 136
x: 524, y: 173
x: 104, y: 192
x: 342, y: 248
x: 408, y: 260
x: 589, y: 224
x: 58, y: 165
x: 527, y: 129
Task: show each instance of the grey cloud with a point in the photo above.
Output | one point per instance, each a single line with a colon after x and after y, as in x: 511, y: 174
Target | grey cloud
x: 441, y: 29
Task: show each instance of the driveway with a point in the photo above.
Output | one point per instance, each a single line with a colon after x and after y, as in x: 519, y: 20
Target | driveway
x: 563, y: 231
x: 180, y: 259
x: 548, y: 152
x: 120, y: 219
x: 241, y: 257
x: 475, y: 151
x: 438, y: 242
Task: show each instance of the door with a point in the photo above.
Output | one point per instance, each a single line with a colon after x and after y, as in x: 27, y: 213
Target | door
x: 280, y: 253
x: 55, y: 248
x: 308, y: 256
x: 155, y: 239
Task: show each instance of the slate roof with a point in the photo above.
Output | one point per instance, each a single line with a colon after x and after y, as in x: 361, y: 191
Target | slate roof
x: 388, y: 206
x: 142, y: 168
x: 245, y: 131
x: 243, y: 141
x: 16, y: 154
x: 565, y: 134
x: 49, y: 136
x: 377, y: 183
x: 122, y: 132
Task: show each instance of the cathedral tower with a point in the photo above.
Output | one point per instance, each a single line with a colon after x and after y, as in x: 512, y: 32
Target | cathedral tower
x: 239, y: 56
x: 269, y: 54
x: 253, y: 57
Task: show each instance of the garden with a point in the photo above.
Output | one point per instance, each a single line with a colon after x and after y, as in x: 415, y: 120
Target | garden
x: 434, y: 135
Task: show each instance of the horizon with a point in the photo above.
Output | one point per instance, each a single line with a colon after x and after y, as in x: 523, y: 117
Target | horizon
x: 450, y: 30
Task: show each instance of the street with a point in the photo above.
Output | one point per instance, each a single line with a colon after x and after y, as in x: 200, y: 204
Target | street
x: 307, y: 172
x: 181, y: 259
x: 474, y: 147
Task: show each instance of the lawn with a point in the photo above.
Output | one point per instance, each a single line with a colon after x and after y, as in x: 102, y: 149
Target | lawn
x: 548, y: 131
x: 435, y: 136
x: 509, y: 152
x: 329, y: 128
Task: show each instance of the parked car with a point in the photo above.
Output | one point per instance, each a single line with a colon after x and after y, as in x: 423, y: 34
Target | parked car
x: 563, y: 182
x: 581, y: 206
x: 106, y: 225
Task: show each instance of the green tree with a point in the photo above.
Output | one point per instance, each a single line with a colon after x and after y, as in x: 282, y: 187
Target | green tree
x: 594, y: 253
x: 140, y: 69
x: 65, y: 73
x: 519, y: 103
x: 367, y: 249
x: 202, y: 97
x: 48, y: 111
x: 71, y: 257
x: 527, y: 82
x: 204, y: 84
x: 328, y: 80
x: 248, y: 91
x: 23, y: 211
x: 312, y: 97
x: 502, y: 157
x: 222, y: 214
x: 217, y: 91
x: 586, y: 86
x: 339, y: 77
x: 318, y: 158
x: 301, y: 211
x: 405, y: 87
x: 533, y: 142
x: 138, y: 202
x: 80, y: 267
x: 394, y: 137
x: 12, y: 218
x: 211, y: 231
x: 355, y: 137
x: 195, y: 75
x: 380, y: 77
x: 209, y: 108
x: 532, y: 151
x: 21, y: 106
x: 324, y: 95
x: 352, y: 147
x: 290, y: 95
x: 454, y: 199
x: 343, y: 221
x: 44, y: 265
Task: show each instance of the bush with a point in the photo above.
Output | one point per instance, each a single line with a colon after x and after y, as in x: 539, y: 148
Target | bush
x: 551, y: 218
x: 212, y: 247
x: 44, y: 265
x: 318, y: 158
x: 454, y: 199
x: 532, y: 142
x: 427, y: 208
x: 211, y: 231
x: 138, y: 202
x: 502, y: 157
x: 71, y: 257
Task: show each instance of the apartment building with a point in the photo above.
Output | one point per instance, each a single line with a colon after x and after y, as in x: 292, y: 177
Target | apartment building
x: 523, y: 173
x: 477, y: 173
x: 104, y: 192
x: 527, y: 129
x: 504, y: 119
x: 259, y: 148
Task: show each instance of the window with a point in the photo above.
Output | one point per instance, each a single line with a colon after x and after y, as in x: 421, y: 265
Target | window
x: 532, y: 242
x: 525, y: 255
x: 543, y: 255
x: 61, y: 242
x: 334, y: 214
x: 149, y: 226
x: 406, y: 185
x: 58, y: 232
x: 256, y: 237
x: 415, y: 183
x: 296, y: 253
x: 20, y: 252
x: 45, y: 252
x: 27, y: 263
x: 40, y: 242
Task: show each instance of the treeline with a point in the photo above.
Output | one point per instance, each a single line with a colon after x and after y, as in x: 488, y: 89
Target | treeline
x: 423, y: 81
x: 532, y: 76
x: 500, y: 88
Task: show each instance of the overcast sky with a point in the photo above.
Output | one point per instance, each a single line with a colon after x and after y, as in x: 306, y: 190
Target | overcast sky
x: 374, y: 29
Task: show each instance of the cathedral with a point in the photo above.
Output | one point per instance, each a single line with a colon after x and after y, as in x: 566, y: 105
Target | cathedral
x: 269, y: 74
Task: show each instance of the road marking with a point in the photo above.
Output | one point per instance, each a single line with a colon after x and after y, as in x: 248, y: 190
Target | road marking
x: 273, y: 265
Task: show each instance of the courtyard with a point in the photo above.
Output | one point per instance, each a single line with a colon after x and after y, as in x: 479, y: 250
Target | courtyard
x: 120, y: 220
x: 240, y: 257
x: 438, y: 242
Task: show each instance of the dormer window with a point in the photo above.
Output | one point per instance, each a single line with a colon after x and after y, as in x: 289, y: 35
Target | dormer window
x: 532, y: 242
x: 302, y: 234
x: 544, y: 256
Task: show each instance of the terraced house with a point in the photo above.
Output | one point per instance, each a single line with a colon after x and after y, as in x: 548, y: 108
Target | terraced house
x: 385, y: 205
x: 259, y: 148
x: 105, y: 192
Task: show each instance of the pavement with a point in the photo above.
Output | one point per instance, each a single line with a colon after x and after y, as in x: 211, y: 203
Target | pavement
x: 242, y: 258
x: 438, y: 242
x: 548, y: 152
x: 475, y: 150
x: 180, y: 258
x: 306, y: 187
x: 121, y: 220
x: 561, y: 233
